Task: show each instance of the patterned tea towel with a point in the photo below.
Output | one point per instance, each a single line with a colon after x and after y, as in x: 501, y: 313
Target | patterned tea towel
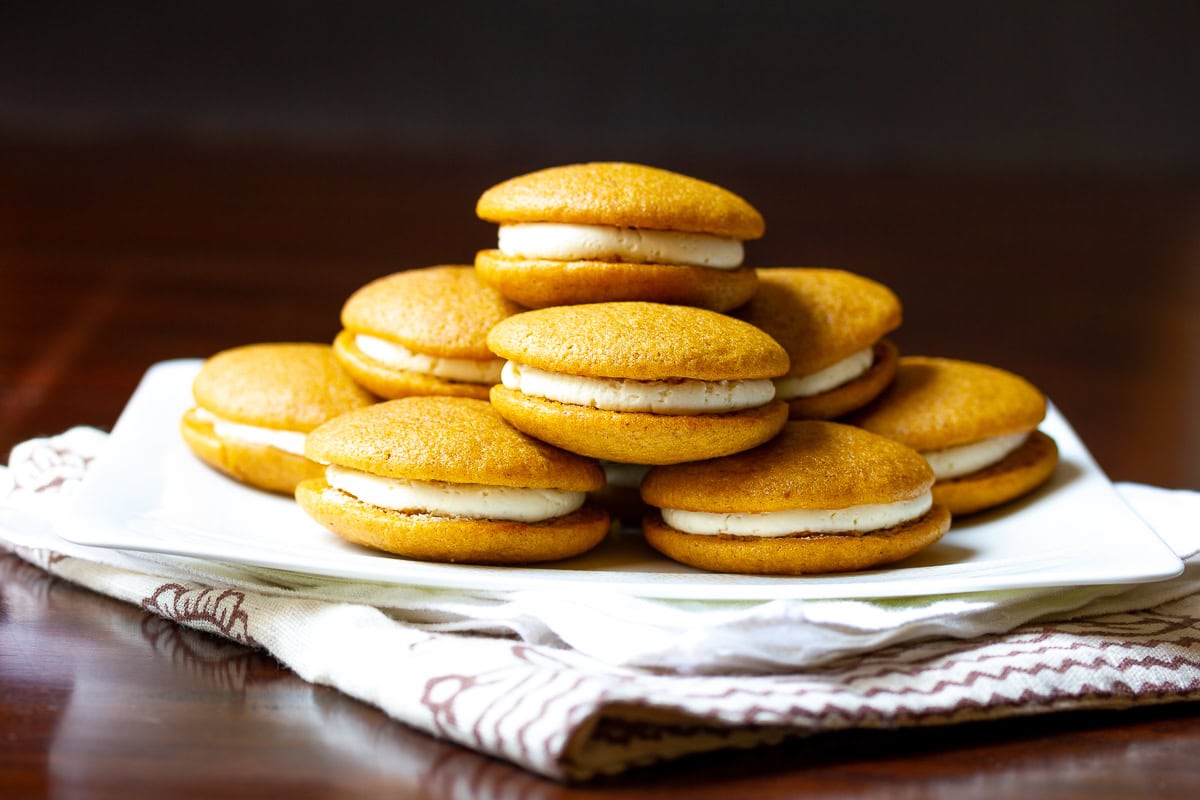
x: 581, y: 685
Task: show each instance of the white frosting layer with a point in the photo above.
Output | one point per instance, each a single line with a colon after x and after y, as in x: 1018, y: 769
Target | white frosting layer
x: 683, y: 396
x: 967, y: 458
x: 288, y: 441
x: 823, y: 380
x: 855, y: 519
x: 565, y: 242
x: 397, y: 356
x: 473, y: 500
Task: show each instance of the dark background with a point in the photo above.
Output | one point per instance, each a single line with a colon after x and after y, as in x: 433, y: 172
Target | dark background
x: 864, y: 85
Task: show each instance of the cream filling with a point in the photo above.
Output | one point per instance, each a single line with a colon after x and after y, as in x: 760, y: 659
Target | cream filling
x: 823, y: 380
x: 288, y: 441
x: 953, y: 462
x: 566, y: 242
x: 854, y: 519
x: 682, y: 396
x: 397, y: 356
x: 442, y: 499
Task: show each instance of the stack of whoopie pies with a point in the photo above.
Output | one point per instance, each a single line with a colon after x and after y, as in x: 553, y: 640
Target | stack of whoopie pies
x: 613, y: 355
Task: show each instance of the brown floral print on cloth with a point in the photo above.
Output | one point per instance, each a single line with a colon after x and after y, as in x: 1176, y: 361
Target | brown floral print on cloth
x: 216, y: 610
x: 494, y: 710
x: 215, y: 662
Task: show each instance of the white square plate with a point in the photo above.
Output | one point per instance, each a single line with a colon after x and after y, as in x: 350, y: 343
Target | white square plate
x: 149, y: 493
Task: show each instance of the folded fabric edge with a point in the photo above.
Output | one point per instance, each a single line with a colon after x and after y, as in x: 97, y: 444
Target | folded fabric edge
x: 616, y: 733
x: 622, y: 737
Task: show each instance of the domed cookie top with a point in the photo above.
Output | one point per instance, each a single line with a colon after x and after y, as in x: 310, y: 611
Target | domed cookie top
x: 288, y: 386
x: 935, y: 403
x: 810, y: 464
x: 623, y: 195
x: 256, y: 404
x: 423, y: 332
x: 637, y: 340
x: 974, y: 424
x: 454, y: 439
x: 832, y: 324
x: 440, y: 311
x: 820, y: 316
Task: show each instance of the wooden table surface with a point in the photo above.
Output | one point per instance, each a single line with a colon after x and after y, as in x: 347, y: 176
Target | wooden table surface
x: 114, y: 256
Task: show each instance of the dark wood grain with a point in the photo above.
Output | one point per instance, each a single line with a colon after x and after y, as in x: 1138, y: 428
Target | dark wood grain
x: 116, y: 256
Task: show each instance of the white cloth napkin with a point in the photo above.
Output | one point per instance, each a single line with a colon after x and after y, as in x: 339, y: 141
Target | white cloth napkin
x: 572, y: 686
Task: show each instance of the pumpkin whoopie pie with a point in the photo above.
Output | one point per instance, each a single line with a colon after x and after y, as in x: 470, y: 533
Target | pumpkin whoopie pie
x: 608, y: 231
x: 256, y: 404
x: 975, y: 424
x: 639, y: 383
x: 832, y: 324
x: 820, y: 497
x: 423, y: 332
x: 446, y: 479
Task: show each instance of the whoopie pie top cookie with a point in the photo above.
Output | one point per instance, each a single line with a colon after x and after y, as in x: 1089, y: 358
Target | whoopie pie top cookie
x: 256, y: 404
x: 446, y: 479
x: 975, y: 424
x: 832, y: 324
x: 609, y: 231
x: 640, y: 383
x: 819, y: 497
x: 423, y: 332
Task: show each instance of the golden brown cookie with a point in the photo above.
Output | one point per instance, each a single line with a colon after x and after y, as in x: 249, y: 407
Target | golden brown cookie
x: 422, y: 332
x: 640, y: 383
x: 621, y: 194
x: 1017, y: 474
x: 446, y: 479
x: 975, y: 423
x: 819, y: 497
x: 254, y: 405
x: 832, y: 324
x: 538, y: 283
x: 610, y: 231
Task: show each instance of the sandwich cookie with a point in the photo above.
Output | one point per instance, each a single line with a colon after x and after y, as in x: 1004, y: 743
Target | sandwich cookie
x: 256, y: 404
x: 639, y: 383
x: 598, y: 232
x: 820, y: 497
x: 423, y: 332
x: 446, y: 479
x: 975, y: 424
x: 832, y: 324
